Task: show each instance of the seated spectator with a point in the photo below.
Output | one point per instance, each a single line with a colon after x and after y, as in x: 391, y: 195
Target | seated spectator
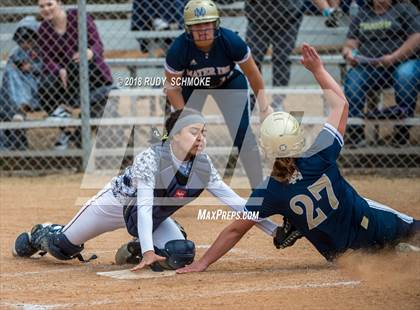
x: 19, y: 90
x: 156, y: 15
x: 333, y: 10
x: 382, y: 47
x: 58, y: 43
x: 330, y: 9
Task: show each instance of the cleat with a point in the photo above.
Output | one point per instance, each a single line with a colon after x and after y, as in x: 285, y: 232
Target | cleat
x: 406, y: 248
x: 36, y: 227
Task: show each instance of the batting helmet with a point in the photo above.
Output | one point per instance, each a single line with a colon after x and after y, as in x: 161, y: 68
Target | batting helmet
x: 200, y: 11
x: 281, y: 135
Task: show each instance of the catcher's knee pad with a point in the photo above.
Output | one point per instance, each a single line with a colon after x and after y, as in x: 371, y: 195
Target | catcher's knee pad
x: 178, y: 253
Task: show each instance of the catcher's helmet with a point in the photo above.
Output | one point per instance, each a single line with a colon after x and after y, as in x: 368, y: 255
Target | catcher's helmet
x: 281, y: 135
x: 200, y: 11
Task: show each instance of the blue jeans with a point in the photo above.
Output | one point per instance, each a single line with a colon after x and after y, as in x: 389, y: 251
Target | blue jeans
x: 404, y: 78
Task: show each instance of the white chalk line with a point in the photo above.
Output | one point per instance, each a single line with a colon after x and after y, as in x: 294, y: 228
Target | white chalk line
x: 27, y: 306
x: 33, y: 306
x: 195, y: 295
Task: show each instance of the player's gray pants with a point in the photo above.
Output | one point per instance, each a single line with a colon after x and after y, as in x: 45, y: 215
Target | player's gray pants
x: 233, y: 101
x: 104, y: 213
x: 260, y: 34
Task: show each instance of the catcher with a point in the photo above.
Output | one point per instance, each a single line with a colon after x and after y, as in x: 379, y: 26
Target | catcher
x: 162, y: 179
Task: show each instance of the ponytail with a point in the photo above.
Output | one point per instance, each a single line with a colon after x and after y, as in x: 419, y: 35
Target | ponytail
x: 284, y: 169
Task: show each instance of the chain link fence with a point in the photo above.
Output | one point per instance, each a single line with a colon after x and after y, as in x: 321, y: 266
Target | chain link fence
x: 40, y: 101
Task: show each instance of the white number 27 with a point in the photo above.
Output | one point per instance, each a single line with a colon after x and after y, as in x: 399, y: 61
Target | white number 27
x: 315, y: 189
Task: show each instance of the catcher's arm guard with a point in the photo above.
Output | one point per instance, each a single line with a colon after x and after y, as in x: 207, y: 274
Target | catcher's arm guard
x: 286, y: 235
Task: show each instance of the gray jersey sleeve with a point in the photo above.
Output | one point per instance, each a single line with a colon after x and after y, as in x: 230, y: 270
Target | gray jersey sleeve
x: 145, y: 167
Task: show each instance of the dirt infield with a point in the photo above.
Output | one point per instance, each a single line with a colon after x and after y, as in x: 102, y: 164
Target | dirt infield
x: 253, y: 276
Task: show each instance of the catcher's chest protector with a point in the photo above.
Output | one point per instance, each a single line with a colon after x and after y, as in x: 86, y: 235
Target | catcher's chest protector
x: 173, y: 190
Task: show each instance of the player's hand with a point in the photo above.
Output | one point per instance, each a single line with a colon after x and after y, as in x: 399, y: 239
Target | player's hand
x: 197, y: 266
x: 263, y: 114
x: 149, y: 258
x: 310, y: 58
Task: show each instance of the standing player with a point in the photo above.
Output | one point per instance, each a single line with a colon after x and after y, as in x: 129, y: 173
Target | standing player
x: 208, y: 50
x: 162, y: 179
x: 309, y: 190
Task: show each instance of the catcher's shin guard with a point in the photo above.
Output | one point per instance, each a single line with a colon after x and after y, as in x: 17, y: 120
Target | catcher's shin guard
x: 30, y: 243
x: 47, y: 238
x: 286, y: 235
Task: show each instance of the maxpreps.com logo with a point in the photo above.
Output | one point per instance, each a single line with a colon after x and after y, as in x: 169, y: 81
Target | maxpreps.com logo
x: 200, y: 12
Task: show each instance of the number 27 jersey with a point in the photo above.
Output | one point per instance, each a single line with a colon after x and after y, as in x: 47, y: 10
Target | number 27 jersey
x: 318, y: 201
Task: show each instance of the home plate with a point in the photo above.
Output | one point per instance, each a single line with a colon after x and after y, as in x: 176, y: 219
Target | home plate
x: 127, y: 274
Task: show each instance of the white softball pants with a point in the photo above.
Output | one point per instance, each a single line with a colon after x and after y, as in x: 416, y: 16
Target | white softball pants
x: 104, y: 213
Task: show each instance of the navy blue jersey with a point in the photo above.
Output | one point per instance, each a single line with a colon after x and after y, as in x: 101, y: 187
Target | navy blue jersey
x: 219, y: 63
x: 318, y: 201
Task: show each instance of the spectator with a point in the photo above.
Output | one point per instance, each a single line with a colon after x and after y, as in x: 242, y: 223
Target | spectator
x: 386, y: 38
x: 262, y: 15
x: 333, y: 10
x: 156, y: 15
x: 19, y: 91
x: 330, y: 9
x: 58, y: 43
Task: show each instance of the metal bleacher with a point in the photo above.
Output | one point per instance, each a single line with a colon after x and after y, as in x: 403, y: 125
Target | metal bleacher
x: 117, y: 36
